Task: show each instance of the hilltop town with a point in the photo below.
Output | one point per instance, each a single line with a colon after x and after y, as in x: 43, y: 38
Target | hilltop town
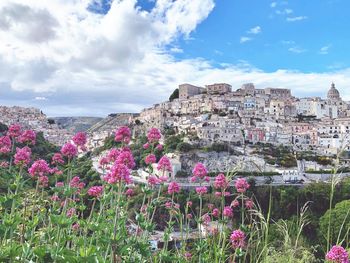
x: 215, y: 113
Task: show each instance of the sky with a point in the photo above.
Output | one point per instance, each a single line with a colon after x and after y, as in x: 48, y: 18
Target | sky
x: 96, y: 57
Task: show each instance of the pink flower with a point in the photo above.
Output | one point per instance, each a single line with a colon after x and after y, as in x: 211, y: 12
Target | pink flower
x: 56, y: 171
x: 129, y: 192
x: 151, y: 158
x: 163, y: 179
x: 338, y: 254
x: 145, y: 146
x: 168, y: 204
x: 75, y: 183
x: 227, y: 211
x: 55, y: 198
x: 59, y: 184
x: 188, y: 255
x: 206, y: 219
x: 95, y: 191
x: 28, y: 137
x: 123, y: 134
x: 207, y: 179
x: 5, y: 144
x: 57, y: 158
x: 235, y: 203
x: 193, y: 179
x: 153, y: 135
x: 118, y: 173
x: 80, y: 139
x: 69, y: 150
x: 22, y: 156
x: 14, y: 131
x: 216, y: 212
x: 43, y: 181
x: 220, y: 181
x: 153, y: 180
x: 189, y: 216
x: 113, y: 155
x: 164, y: 164
x: 249, y: 204
x: 241, y: 185
x: 189, y: 203
x: 125, y: 157
x: 237, y: 239
x: 39, y: 168
x: 75, y: 227
x: 173, y: 187
x: 71, y: 212
x: 200, y: 171
x: 159, y: 147
x: 176, y: 206
x: 4, y: 164
x: 210, y: 207
x: 201, y: 190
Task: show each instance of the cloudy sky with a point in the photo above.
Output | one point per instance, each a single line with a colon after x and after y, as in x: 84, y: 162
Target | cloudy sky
x: 95, y: 57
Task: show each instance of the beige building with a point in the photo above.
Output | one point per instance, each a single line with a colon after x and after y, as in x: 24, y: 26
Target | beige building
x: 188, y: 90
x: 218, y: 88
x: 278, y: 93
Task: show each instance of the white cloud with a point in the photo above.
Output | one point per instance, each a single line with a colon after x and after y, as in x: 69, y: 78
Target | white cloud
x: 296, y: 18
x: 40, y: 98
x: 273, y: 4
x: 254, y: 30
x: 286, y: 11
x: 176, y: 50
x: 244, y: 39
x: 297, y: 50
x: 324, y: 50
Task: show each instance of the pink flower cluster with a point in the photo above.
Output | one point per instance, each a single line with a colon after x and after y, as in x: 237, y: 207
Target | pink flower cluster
x: 39, y: 168
x: 201, y: 190
x: 69, y: 150
x: 27, y: 137
x: 241, y: 185
x: 113, y: 155
x: 118, y: 173
x: 5, y: 144
x: 14, y: 131
x: 151, y: 158
x: 80, y: 140
x: 95, y: 191
x: 57, y: 158
x: 173, y: 187
x: 125, y: 157
x: 123, y: 134
x: 200, y: 171
x: 237, y: 239
x: 164, y: 164
x: 22, y: 156
x: 220, y: 182
x: 338, y: 254
x: 228, y: 212
x: 153, y: 180
x: 76, y: 183
x: 43, y: 181
x: 153, y: 135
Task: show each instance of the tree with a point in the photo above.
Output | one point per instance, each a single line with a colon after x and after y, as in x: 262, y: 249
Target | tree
x: 51, y: 121
x: 339, y: 224
x: 3, y: 128
x: 184, y: 147
x: 174, y: 95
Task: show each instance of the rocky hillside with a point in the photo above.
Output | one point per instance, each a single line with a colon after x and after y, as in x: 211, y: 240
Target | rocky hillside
x: 76, y: 123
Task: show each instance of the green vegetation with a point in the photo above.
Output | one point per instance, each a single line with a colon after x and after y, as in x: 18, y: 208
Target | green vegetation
x: 174, y: 95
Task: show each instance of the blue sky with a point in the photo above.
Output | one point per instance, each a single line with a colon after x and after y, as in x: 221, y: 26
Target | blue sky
x: 318, y: 42
x: 69, y: 57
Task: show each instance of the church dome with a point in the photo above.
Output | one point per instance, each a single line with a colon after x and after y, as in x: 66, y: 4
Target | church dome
x: 333, y: 93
